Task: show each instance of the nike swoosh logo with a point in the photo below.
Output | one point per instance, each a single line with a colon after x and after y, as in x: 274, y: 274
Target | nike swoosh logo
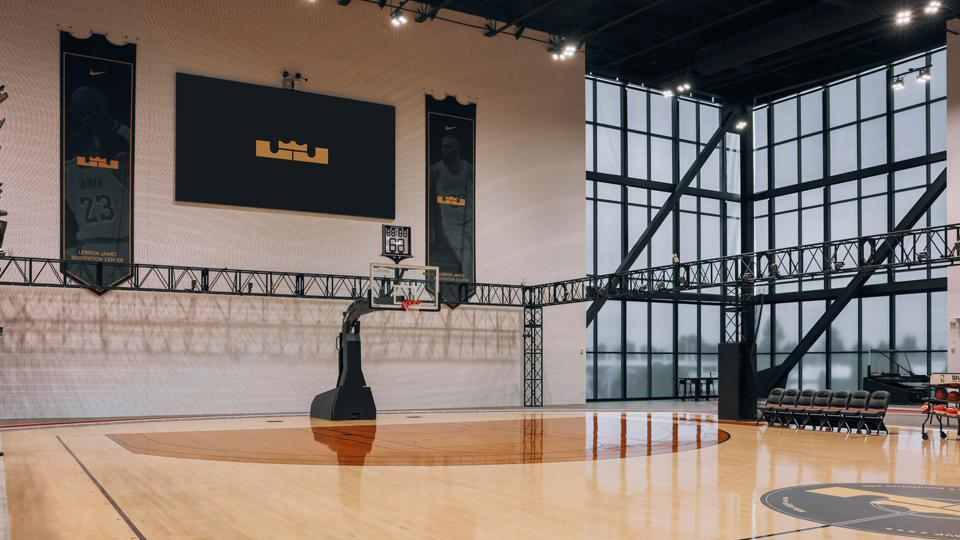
x: 95, y: 73
x: 449, y: 128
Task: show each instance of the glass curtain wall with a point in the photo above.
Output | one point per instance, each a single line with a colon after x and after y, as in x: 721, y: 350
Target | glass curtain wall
x: 845, y: 159
x: 639, y: 143
x: 839, y: 161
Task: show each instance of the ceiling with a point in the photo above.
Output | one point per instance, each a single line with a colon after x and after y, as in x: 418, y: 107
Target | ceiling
x: 735, y: 49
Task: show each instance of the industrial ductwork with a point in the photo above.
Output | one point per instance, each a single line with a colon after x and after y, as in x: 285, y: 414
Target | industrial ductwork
x: 791, y: 31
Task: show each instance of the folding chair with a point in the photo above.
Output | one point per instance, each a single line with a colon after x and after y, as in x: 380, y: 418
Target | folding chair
x: 821, y: 401
x: 799, y: 411
x: 838, y: 404
x: 767, y: 409
x: 787, y: 402
x: 854, y: 410
x: 875, y: 412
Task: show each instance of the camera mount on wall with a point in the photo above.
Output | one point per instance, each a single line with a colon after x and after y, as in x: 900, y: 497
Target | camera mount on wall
x: 290, y: 80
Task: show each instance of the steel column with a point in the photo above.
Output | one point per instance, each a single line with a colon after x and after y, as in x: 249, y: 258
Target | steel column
x: 532, y: 356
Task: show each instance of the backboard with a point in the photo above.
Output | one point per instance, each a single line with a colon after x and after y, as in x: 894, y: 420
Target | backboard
x: 394, y: 286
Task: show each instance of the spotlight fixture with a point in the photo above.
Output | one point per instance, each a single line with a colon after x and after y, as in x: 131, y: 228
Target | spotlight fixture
x: 676, y: 259
x: 897, y: 83
x: 397, y: 18
x: 923, y: 256
x: 774, y: 270
x: 838, y: 265
x: 562, y: 51
x: 903, y: 17
x: 661, y: 285
x: 956, y: 248
x: 249, y: 288
x: 668, y: 93
x: 923, y: 76
x: 741, y: 125
x: 932, y: 7
x: 683, y: 87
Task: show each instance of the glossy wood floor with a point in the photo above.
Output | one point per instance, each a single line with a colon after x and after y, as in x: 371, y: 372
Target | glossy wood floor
x: 582, y: 475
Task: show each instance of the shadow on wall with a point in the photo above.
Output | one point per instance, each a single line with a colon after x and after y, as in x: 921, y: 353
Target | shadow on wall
x: 68, y: 353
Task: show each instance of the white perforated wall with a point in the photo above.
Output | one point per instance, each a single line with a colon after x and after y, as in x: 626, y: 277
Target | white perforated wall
x: 70, y: 353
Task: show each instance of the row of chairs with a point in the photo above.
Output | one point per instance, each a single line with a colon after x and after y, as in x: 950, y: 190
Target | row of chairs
x: 829, y: 409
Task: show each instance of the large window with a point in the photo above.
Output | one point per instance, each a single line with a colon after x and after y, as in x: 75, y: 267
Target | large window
x: 639, y: 144
x: 837, y: 161
x: 840, y: 161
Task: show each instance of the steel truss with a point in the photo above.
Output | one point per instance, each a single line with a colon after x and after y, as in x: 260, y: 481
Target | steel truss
x: 533, y: 356
x: 931, y: 247
x: 736, y: 277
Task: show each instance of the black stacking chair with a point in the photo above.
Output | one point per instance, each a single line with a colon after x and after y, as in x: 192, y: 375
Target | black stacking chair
x: 799, y: 411
x: 854, y: 411
x: 818, y: 409
x: 683, y: 383
x: 785, y: 408
x: 875, y: 412
x: 767, y: 409
x: 833, y: 416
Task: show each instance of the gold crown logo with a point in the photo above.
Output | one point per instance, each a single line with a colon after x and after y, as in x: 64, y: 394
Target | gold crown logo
x: 97, y: 162
x: 293, y: 151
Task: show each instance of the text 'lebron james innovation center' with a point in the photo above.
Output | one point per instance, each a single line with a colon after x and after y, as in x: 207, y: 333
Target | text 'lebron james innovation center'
x: 479, y: 269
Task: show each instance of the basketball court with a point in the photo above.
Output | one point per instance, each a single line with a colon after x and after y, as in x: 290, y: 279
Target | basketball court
x: 444, y: 269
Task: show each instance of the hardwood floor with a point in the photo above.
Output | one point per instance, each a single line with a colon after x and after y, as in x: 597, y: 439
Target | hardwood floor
x: 491, y: 475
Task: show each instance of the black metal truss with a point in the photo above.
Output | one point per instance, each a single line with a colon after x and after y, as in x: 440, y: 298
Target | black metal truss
x: 930, y: 247
x: 532, y: 356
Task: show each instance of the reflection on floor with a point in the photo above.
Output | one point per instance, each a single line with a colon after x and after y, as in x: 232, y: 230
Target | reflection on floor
x: 531, y: 439
x: 502, y: 474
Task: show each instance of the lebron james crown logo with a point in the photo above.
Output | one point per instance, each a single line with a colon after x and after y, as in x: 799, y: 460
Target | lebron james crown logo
x: 98, y: 162
x: 291, y: 151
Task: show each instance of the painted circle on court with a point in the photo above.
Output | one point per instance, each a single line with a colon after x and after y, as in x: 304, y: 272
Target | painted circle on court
x: 915, y: 510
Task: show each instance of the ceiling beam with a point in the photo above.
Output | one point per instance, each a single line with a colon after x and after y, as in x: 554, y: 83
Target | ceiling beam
x: 623, y: 18
x: 687, y: 34
x: 494, y: 31
x: 432, y: 12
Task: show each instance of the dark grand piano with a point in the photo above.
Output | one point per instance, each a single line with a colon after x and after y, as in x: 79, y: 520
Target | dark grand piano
x: 904, y: 386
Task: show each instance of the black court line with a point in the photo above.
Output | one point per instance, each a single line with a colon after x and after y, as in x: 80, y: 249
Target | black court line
x: 785, y: 532
x: 112, y: 502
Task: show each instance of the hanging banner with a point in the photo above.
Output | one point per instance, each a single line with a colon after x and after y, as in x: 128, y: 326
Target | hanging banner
x: 97, y: 88
x: 451, y: 183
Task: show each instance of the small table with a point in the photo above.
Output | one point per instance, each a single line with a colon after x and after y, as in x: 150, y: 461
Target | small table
x: 703, y: 387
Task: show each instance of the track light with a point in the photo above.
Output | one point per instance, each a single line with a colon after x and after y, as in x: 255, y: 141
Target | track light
x: 923, y: 76
x: 897, y: 83
x: 932, y: 7
x: 741, y: 125
x: 397, y: 18
x: 562, y: 51
x: 903, y: 17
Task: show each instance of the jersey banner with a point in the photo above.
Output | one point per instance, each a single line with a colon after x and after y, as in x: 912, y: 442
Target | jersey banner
x: 97, y: 84
x: 451, y: 155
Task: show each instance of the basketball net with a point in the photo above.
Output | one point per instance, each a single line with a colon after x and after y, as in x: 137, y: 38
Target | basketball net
x: 408, y: 307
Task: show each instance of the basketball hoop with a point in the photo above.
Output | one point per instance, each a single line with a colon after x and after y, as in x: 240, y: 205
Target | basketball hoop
x: 407, y: 305
x: 408, y: 308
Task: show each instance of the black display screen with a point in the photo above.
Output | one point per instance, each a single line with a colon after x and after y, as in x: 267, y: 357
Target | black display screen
x: 247, y: 145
